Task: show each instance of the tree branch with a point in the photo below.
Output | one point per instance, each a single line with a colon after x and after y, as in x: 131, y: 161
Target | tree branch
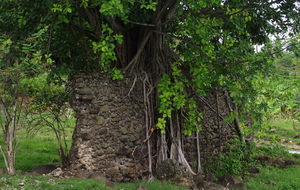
x: 142, y: 24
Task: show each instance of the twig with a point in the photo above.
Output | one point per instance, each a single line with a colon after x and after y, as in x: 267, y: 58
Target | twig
x: 227, y: 186
x: 4, y: 158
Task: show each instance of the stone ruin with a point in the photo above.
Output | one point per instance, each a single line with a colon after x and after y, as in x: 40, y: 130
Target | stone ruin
x: 109, y: 134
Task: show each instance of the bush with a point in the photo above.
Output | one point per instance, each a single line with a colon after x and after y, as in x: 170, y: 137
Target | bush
x: 235, y: 161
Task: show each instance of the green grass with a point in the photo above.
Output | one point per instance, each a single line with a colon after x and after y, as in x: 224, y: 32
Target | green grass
x: 284, y: 179
x: 276, y: 137
x: 275, y: 151
x: 39, y: 149
x: 50, y: 183
x: 34, y: 151
x: 281, y: 130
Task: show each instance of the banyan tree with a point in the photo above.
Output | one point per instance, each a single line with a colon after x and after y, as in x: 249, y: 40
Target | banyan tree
x: 156, y: 79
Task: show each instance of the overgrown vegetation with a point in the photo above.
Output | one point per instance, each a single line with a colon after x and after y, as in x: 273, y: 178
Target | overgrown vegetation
x: 277, y: 130
x: 29, y: 86
x: 180, y: 49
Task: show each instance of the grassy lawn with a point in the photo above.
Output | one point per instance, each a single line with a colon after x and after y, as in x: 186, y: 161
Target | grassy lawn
x: 37, y: 150
x: 272, y: 178
x: 41, y: 182
x: 281, y: 130
x: 50, y: 183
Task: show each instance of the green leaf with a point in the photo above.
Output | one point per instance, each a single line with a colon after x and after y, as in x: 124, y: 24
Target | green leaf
x: 69, y: 10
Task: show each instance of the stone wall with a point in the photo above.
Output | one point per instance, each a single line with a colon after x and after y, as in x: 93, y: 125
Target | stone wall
x: 215, y: 133
x: 110, y: 129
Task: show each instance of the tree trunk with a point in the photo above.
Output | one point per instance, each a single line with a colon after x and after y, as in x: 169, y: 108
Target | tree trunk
x: 9, y: 131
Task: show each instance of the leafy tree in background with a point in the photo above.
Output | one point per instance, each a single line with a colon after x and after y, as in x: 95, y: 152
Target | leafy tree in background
x: 15, y: 96
x: 13, y: 114
x: 288, y: 80
x: 50, y: 110
x: 179, y: 49
x: 25, y: 90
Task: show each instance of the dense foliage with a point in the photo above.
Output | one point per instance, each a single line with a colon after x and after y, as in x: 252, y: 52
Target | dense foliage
x: 211, y: 42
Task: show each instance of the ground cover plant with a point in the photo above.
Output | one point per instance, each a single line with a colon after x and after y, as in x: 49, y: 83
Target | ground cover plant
x: 42, y: 182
